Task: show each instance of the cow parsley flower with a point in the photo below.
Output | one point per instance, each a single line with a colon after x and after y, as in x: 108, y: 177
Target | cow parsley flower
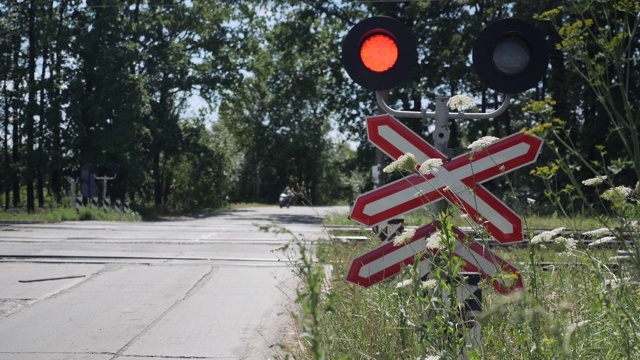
x: 603, y: 240
x: 434, y: 242
x: 566, y: 245
x: 406, y: 162
x: 617, y: 193
x: 430, y: 166
x: 405, y: 237
x: 429, y: 284
x: 461, y: 103
x: 404, y: 283
x: 546, y: 236
x: 571, y: 328
x: 482, y: 143
x: 594, y: 181
x: 597, y: 233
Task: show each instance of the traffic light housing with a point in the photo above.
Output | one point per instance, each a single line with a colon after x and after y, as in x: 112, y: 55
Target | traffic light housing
x: 510, y: 56
x: 379, y: 53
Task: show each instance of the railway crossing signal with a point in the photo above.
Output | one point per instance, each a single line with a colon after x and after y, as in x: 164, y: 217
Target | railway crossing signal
x: 509, y: 56
x: 458, y: 181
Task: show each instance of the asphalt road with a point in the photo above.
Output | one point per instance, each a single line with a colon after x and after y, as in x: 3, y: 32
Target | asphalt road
x: 204, y: 288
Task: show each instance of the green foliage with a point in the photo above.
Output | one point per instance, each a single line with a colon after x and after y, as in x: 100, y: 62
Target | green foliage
x: 112, y: 81
x: 203, y: 174
x: 581, y: 308
x: 600, y: 40
x: 68, y: 214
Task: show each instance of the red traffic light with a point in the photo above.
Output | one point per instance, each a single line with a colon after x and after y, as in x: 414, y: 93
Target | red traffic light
x: 510, y: 56
x: 379, y: 53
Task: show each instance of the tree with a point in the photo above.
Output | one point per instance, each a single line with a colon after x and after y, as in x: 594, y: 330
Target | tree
x: 204, y: 172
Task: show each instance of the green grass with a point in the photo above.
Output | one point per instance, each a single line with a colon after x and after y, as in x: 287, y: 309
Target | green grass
x: 422, y: 217
x: 566, y: 313
x: 68, y: 214
x: 574, y: 311
x: 89, y: 213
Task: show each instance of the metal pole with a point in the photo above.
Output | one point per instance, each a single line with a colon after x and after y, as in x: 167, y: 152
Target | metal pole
x: 72, y: 193
x: 441, y: 132
x: 378, y: 174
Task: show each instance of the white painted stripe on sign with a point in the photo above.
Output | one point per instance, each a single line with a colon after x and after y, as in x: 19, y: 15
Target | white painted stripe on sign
x: 452, y: 179
x: 487, y: 211
x: 402, y: 143
x: 476, y: 260
x: 395, y: 257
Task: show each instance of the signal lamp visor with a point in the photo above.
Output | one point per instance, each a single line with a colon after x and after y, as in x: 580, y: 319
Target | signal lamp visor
x: 379, y: 53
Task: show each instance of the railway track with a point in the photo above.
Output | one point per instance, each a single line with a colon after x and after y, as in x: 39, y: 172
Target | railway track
x: 582, y: 239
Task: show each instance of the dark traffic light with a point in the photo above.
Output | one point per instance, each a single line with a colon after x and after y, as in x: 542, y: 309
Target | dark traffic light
x: 379, y: 53
x: 510, y: 56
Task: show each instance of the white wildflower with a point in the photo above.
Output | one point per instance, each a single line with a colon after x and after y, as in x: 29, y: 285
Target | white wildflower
x: 603, y: 240
x: 434, y: 242
x: 617, y: 193
x: 597, y: 233
x: 482, y: 143
x: 546, y: 236
x: 538, y: 239
x: 571, y: 328
x: 461, y: 103
x: 389, y: 168
x: 610, y: 284
x: 531, y: 201
x: 404, y: 283
x: 429, y: 284
x: 594, y: 181
x: 430, y: 166
x: 406, y: 162
x: 566, y: 245
x: 404, y: 238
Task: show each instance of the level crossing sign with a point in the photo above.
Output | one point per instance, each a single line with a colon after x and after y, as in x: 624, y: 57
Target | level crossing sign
x: 387, y: 260
x: 457, y: 181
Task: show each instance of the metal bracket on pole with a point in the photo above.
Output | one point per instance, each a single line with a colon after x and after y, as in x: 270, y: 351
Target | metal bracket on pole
x: 432, y: 115
x: 442, y: 116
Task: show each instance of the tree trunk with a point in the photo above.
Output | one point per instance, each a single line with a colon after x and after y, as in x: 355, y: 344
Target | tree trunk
x: 30, y: 115
x: 16, y: 139
x: 158, y: 178
x: 5, y: 147
x: 42, y: 142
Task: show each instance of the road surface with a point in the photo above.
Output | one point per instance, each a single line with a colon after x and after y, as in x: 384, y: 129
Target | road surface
x: 203, y: 288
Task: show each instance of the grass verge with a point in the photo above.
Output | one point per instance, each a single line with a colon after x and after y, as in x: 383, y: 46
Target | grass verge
x: 581, y: 309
